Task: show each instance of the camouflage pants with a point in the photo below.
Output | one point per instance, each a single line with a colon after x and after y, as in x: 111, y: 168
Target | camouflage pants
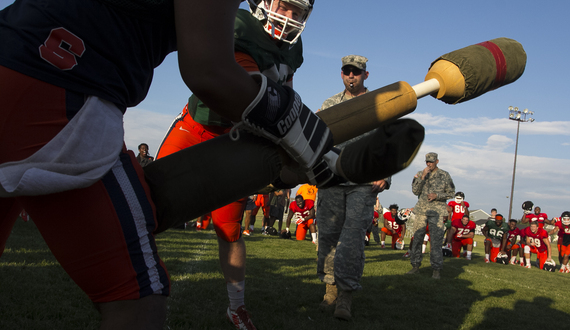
x: 436, y: 230
x: 345, y: 212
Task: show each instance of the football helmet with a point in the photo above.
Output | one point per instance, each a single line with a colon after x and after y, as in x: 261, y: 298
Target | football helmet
x: 527, y: 207
x: 565, y: 218
x: 271, y: 231
x: 549, y: 266
x: 278, y: 26
x: 502, y: 258
x: 404, y: 215
x: 400, y: 244
x: 459, y: 197
x: 285, y: 234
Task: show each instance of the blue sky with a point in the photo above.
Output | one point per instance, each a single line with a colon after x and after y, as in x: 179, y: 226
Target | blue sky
x: 475, y: 140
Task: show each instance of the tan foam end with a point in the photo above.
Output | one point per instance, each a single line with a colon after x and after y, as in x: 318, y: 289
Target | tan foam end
x: 451, y: 80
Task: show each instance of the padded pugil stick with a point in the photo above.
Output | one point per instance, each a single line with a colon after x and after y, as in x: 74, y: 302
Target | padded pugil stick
x: 469, y: 72
x: 453, y: 78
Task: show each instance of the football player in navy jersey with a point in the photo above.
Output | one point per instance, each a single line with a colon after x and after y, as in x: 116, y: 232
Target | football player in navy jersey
x: 68, y: 71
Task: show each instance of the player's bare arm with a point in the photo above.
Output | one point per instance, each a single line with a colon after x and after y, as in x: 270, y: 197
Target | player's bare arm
x: 485, y: 231
x: 548, y: 248
x: 212, y: 30
x: 451, y: 235
x: 311, y: 214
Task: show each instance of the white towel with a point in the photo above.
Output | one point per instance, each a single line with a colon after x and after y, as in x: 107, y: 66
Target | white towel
x: 77, y: 157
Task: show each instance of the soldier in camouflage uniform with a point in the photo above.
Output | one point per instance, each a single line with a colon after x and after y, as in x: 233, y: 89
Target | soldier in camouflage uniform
x: 434, y: 187
x: 345, y: 212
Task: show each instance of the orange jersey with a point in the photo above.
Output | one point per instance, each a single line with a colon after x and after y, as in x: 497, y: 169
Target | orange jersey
x: 308, y: 192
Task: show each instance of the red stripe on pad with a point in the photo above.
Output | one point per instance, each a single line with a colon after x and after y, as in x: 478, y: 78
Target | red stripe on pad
x: 500, y: 62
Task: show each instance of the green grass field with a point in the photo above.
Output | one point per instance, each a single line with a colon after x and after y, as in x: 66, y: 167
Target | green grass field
x: 283, y: 291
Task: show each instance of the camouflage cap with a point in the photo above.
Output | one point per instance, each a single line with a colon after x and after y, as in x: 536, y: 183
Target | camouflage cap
x: 355, y: 60
x: 431, y: 157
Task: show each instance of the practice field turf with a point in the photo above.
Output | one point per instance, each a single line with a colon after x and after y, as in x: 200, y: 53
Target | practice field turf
x: 283, y: 292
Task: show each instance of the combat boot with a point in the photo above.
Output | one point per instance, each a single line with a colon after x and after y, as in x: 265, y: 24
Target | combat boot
x: 436, y: 274
x: 414, y: 270
x: 329, y: 300
x: 343, y: 305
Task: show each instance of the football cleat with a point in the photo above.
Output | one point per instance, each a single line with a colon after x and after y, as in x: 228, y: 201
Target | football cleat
x: 383, y: 246
x: 549, y: 266
x: 407, y: 255
x: 487, y: 261
x: 468, y: 257
x: 528, y: 266
x: 240, y: 318
x: 246, y: 233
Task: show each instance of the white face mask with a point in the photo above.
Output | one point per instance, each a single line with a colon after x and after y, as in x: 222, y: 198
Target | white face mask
x: 458, y: 200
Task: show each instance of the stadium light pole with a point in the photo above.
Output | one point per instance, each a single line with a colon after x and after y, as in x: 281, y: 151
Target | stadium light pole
x: 518, y: 116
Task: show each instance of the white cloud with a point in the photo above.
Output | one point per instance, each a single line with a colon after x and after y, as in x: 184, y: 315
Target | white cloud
x: 145, y: 126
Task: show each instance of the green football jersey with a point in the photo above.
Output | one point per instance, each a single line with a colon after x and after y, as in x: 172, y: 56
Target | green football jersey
x: 497, y: 231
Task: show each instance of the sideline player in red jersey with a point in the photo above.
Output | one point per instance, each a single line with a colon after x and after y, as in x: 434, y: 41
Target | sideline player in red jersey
x: 458, y: 206
x: 562, y: 228
x: 392, y: 227
x: 536, y: 241
x: 512, y: 248
x: 461, y: 234
x: 302, y: 212
x: 537, y: 216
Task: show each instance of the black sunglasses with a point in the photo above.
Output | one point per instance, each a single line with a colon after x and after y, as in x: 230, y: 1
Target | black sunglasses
x: 348, y: 69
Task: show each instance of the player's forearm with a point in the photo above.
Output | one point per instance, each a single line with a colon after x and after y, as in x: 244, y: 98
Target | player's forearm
x: 224, y: 86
